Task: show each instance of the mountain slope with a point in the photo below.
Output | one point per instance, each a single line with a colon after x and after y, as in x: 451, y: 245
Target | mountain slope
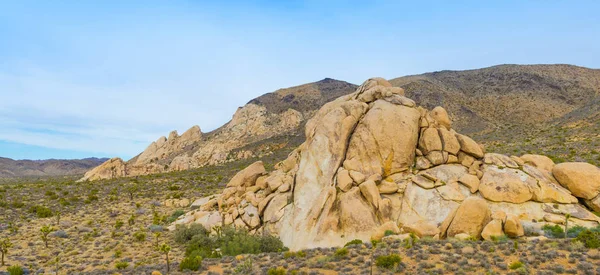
x: 547, y: 109
x: 52, y: 167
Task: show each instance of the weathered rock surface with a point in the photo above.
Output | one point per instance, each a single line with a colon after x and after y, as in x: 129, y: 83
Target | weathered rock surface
x: 373, y: 161
x: 582, y: 179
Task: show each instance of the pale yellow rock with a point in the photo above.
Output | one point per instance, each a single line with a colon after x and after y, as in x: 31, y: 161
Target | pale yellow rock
x: 275, y: 205
x: 344, y: 181
x: 499, y: 215
x: 423, y: 182
x: 469, y: 146
x: 422, y: 163
x: 379, y: 232
x: 513, y: 227
x: 379, y: 144
x: 449, y: 141
x: 110, y: 169
x: 357, y: 177
x: 492, y: 229
x: 421, y: 228
x: 553, y: 218
x: 284, y: 188
x: 441, y: 116
x: 430, y: 141
x: 387, y: 187
x: 517, y: 160
x: 470, y: 218
x: 594, y: 203
x: 506, y: 185
x: 539, y: 161
x: 370, y: 192
x: 437, y: 157
x: 470, y: 181
x: 582, y: 179
x: 548, y: 189
x: 452, y: 159
x: 450, y: 192
x: 499, y: 160
x: 464, y: 236
x: 248, y: 176
x: 465, y: 159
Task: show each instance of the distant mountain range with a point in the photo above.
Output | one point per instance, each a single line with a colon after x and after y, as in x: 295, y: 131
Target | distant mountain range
x: 10, y: 168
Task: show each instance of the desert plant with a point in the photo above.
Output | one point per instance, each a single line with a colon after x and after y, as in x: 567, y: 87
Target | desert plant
x: 121, y: 265
x: 165, y: 249
x: 567, y: 216
x: 192, y: 262
x: 591, y: 239
x: 353, y: 242
x: 276, y: 271
x: 554, y: 231
x: 156, y: 238
x: 140, y: 236
x: 515, y: 265
x: 341, y: 252
x: 119, y: 224
x: 46, y: 230
x: 15, y: 270
x: 5, y: 245
x: 388, y: 261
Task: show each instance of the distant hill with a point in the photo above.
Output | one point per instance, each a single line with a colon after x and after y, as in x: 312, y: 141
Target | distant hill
x: 10, y: 168
x: 513, y: 109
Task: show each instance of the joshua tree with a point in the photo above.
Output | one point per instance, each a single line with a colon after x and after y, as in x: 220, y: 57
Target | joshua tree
x: 157, y: 236
x: 5, y: 244
x: 567, y: 216
x: 164, y: 248
x: 45, y: 232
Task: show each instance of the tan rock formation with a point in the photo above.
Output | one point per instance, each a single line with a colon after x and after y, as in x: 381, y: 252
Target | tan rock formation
x: 372, y: 161
x: 582, y: 179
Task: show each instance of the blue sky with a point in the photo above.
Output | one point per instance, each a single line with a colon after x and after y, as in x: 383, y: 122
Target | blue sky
x: 105, y: 78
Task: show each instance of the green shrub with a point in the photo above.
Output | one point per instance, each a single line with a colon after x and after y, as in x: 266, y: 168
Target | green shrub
x: 574, y: 231
x: 185, y: 233
x: 389, y: 233
x: 140, y: 236
x: 192, y: 262
x: 121, y: 265
x: 589, y: 238
x: 15, y: 270
x: 276, y: 271
x: 41, y: 211
x: 119, y: 224
x: 389, y: 261
x: 516, y: 265
x: 341, y: 252
x: 353, y: 242
x: 175, y: 215
x: 553, y: 231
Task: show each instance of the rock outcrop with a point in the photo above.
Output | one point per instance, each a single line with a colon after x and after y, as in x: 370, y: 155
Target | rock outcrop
x: 247, y: 135
x: 373, y: 161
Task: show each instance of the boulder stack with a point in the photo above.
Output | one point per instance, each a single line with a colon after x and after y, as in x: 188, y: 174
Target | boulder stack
x: 373, y: 161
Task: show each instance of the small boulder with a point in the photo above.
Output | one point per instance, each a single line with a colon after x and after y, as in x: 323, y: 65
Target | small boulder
x: 582, y: 179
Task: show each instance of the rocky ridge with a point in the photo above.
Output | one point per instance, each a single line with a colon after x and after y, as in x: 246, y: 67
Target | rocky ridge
x: 281, y: 113
x: 373, y: 161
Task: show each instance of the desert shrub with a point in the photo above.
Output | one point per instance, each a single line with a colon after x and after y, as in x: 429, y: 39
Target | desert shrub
x: 185, y: 233
x: 574, y: 231
x: 244, y: 268
x: 175, y: 215
x: 119, y: 224
x: 140, y: 236
x: 341, y: 252
x: 230, y: 241
x: 121, y: 265
x: 17, y: 204
x: 388, y: 261
x: 276, y: 271
x: 591, y: 239
x: 15, y: 270
x: 553, y: 231
x: 515, y: 265
x: 353, y: 242
x: 192, y: 262
x: 41, y: 211
x: 389, y: 233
